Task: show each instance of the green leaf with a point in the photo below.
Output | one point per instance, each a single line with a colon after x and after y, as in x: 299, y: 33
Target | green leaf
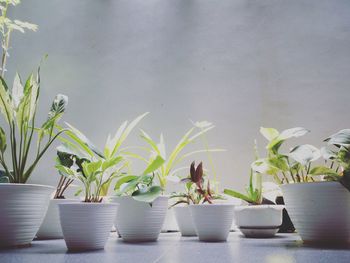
x: 57, y: 109
x: 79, y: 138
x: 2, y: 140
x: 77, y: 193
x: 5, y: 101
x: 147, y: 194
x: 91, y: 168
x: 293, y: 132
x: 239, y: 195
x: 322, y: 170
x: 131, y: 185
x: 328, y: 154
x: 111, y: 162
x: 4, y: 177
x: 269, y: 133
x: 154, y: 165
x: 65, y: 170
x: 123, y: 180
x: 17, y: 91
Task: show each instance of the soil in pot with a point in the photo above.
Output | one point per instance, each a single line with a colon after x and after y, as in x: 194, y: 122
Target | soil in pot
x: 22, y: 210
x: 139, y: 221
x: 86, y: 226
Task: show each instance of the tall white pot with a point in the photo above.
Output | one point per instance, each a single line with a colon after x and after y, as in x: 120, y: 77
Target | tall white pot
x: 22, y: 210
x: 86, y: 226
x: 212, y: 221
x: 51, y: 226
x: 139, y: 221
x: 319, y: 211
x: 184, y: 220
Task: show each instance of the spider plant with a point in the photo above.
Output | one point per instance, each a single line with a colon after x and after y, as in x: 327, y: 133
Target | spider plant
x: 79, y: 158
x: 169, y: 170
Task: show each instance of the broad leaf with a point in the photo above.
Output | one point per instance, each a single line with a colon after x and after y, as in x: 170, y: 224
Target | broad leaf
x: 239, y: 195
x: 269, y: 133
x: 293, y: 132
x: 17, y: 91
x: 123, y: 180
x: 147, y: 194
x: 2, y: 140
x: 5, y: 101
x: 342, y: 137
x: 304, y: 154
x: 322, y: 170
x: 57, y: 109
x: 154, y: 165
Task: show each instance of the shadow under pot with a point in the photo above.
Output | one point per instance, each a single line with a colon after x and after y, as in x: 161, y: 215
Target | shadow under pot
x: 22, y: 210
x: 51, y: 226
x: 86, y: 226
x: 320, y: 211
x: 212, y: 221
x: 259, y: 221
x: 184, y: 221
x: 140, y: 221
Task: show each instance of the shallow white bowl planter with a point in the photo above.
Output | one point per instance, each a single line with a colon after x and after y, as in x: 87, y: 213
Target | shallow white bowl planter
x: 184, y: 220
x: 212, y: 221
x: 86, y: 226
x: 22, y: 210
x: 51, y: 226
x: 138, y: 221
x: 319, y: 211
x: 259, y: 221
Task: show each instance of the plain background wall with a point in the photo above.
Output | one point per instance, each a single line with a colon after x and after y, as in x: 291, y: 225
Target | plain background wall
x: 240, y: 64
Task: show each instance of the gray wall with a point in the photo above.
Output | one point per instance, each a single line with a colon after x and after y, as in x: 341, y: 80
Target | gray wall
x: 238, y: 63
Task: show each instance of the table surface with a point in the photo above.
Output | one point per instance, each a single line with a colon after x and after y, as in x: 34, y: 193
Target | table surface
x: 171, y: 247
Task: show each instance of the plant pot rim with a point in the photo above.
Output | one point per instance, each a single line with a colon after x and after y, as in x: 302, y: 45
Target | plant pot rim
x: 86, y: 204
x: 113, y: 197
x: 306, y: 184
x: 206, y: 204
x: 259, y: 207
x: 3, y: 185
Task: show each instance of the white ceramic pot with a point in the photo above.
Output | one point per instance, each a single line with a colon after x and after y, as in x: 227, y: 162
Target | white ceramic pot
x: 259, y: 221
x: 86, y: 226
x: 170, y: 224
x: 138, y: 221
x: 51, y: 226
x: 184, y: 220
x: 319, y: 211
x: 22, y: 210
x: 212, y: 221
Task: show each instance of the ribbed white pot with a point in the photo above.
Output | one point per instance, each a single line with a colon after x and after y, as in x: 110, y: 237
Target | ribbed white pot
x: 138, y: 221
x: 259, y: 220
x: 86, y: 226
x: 319, y: 211
x: 212, y: 221
x: 22, y: 210
x: 51, y: 226
x: 184, y: 220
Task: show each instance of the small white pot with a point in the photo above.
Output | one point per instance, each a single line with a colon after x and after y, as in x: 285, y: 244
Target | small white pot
x: 51, y: 226
x: 170, y: 224
x: 212, y: 221
x: 320, y: 211
x: 22, y: 210
x: 184, y: 220
x: 138, y: 221
x: 86, y: 226
x: 259, y: 221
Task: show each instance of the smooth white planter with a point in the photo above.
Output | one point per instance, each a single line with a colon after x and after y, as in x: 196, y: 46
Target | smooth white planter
x: 259, y: 221
x: 22, y: 210
x: 184, y: 220
x: 212, y: 221
x: 170, y: 224
x: 138, y: 221
x: 51, y: 226
x: 86, y: 226
x: 319, y: 211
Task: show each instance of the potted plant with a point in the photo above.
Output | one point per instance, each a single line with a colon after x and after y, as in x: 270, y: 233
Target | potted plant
x: 313, y: 195
x: 170, y: 170
x: 51, y: 226
x: 261, y: 218
x: 142, y: 207
x: 211, y: 221
x: 22, y: 206
x: 183, y: 200
x: 86, y: 225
